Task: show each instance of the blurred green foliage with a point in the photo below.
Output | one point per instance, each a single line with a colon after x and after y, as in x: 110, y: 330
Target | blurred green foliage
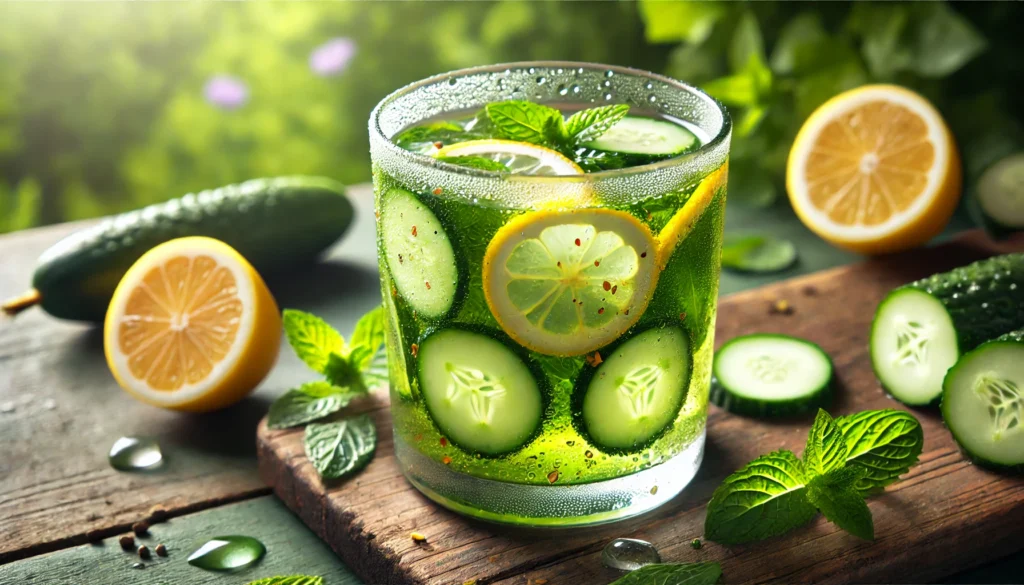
x: 102, y: 105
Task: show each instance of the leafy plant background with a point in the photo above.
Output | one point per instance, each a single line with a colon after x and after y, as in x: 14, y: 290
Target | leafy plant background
x: 111, y: 106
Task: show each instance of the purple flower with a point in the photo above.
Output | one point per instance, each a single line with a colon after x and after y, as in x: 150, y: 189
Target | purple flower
x: 332, y: 57
x: 227, y: 92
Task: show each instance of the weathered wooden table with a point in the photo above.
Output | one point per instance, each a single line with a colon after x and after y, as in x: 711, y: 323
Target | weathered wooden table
x: 62, y: 506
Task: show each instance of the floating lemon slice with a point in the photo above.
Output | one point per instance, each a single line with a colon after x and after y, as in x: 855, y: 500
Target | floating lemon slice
x: 682, y: 222
x: 874, y: 170
x: 191, y: 327
x: 568, y: 282
x: 521, y: 158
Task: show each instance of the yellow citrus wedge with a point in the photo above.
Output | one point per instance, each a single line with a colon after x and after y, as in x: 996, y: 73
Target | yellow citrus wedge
x: 569, y: 282
x: 874, y: 170
x: 682, y: 222
x: 191, y: 327
x: 521, y: 158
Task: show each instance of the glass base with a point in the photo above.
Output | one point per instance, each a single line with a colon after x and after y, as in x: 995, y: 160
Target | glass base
x: 554, y: 505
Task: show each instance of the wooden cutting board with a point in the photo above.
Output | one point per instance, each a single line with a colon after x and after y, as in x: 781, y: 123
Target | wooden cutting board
x: 945, y: 515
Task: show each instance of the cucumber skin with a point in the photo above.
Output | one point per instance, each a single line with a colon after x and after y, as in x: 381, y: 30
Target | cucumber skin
x: 997, y: 283
x: 273, y: 222
x: 741, y: 405
x: 1016, y: 337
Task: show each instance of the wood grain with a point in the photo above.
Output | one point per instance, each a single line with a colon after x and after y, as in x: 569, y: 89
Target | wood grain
x: 945, y: 515
x: 291, y: 549
x: 55, y: 484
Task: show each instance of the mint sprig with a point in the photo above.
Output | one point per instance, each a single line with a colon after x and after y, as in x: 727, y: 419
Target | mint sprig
x: 539, y: 124
x: 844, y: 460
x: 349, y: 369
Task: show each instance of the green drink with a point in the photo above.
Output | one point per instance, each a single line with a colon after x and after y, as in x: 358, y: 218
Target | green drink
x: 549, y: 260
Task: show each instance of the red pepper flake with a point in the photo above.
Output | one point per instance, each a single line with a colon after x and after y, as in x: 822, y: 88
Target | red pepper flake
x: 643, y: 254
x: 415, y: 349
x: 419, y: 437
x: 627, y: 311
x: 597, y: 262
x: 682, y: 316
x: 394, y: 291
x: 615, y: 288
x: 553, y: 476
x: 438, y: 191
x: 414, y: 231
x: 577, y: 241
x: 444, y: 442
x: 376, y: 213
x: 438, y: 144
x: 446, y: 460
x: 810, y: 290
x: 607, y: 285
x: 427, y: 282
x: 600, y: 311
x: 400, y: 259
x: 594, y: 359
x: 649, y: 216
x: 559, y: 263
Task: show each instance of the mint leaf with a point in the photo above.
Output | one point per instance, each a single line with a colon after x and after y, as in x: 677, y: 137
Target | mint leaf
x: 757, y: 254
x: 674, y: 574
x: 475, y: 162
x: 313, y: 340
x: 826, y: 448
x: 290, y: 580
x: 375, y: 375
x: 883, y: 443
x: 341, y: 372
x: 428, y: 134
x: 798, y: 36
x: 944, y: 41
x: 522, y: 121
x: 669, y: 22
x: 746, y: 42
x: 588, y: 125
x: 340, y: 448
x: 309, y: 402
x: 836, y: 495
x: 764, y: 499
x: 369, y: 335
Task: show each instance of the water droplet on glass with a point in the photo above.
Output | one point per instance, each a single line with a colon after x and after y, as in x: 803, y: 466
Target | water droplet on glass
x: 562, y: 90
x: 629, y: 554
x: 575, y: 89
x: 135, y: 453
x: 532, y: 70
x: 607, y: 83
x: 580, y: 71
x: 541, y: 80
x: 652, y: 98
x: 609, y: 73
x: 452, y: 81
x: 227, y: 553
x: 649, y: 85
x: 607, y: 97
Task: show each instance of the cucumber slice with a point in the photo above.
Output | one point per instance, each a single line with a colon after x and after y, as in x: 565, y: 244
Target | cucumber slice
x: 419, y: 254
x: 770, y: 374
x: 1000, y: 192
x: 634, y: 135
x: 983, y: 402
x: 921, y: 329
x: 481, y: 395
x: 636, y: 393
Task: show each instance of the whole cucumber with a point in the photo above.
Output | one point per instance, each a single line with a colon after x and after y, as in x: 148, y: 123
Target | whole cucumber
x: 273, y: 222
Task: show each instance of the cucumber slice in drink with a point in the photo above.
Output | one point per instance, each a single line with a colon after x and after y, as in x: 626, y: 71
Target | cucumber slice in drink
x: 771, y: 374
x: 1000, y: 194
x: 646, y: 137
x: 480, y: 393
x: 419, y: 254
x: 983, y: 402
x: 921, y: 329
x: 635, y: 394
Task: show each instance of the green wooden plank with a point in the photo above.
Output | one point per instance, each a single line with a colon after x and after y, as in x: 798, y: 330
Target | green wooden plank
x: 291, y: 549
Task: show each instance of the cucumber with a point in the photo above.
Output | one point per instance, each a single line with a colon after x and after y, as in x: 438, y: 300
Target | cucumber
x: 645, y: 140
x: 983, y: 402
x: 274, y: 223
x: 480, y: 393
x: 998, y: 196
x: 770, y: 374
x: 921, y: 329
x: 419, y: 254
x: 636, y: 393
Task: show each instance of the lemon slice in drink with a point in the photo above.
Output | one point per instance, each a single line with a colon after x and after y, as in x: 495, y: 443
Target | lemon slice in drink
x: 191, y: 327
x: 682, y: 222
x: 569, y: 282
x: 521, y: 158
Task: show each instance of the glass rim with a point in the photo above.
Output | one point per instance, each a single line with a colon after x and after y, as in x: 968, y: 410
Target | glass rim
x: 711, y: 145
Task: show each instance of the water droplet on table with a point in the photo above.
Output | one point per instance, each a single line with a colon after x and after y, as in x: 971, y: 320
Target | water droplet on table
x: 629, y: 554
x: 7, y: 407
x: 227, y: 553
x: 135, y: 453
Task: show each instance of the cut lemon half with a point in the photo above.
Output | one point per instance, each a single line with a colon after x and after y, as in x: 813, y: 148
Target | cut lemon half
x: 874, y: 170
x: 191, y: 327
x: 521, y: 158
x: 682, y: 222
x: 569, y: 282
